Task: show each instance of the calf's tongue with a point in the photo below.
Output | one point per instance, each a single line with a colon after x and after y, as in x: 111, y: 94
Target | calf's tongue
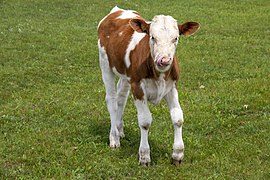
x: 159, y: 61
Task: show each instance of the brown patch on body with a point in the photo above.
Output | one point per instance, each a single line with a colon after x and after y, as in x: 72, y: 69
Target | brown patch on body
x: 114, y: 43
x: 137, y: 90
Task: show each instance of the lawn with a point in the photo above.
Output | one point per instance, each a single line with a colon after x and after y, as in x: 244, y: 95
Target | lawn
x: 53, y: 118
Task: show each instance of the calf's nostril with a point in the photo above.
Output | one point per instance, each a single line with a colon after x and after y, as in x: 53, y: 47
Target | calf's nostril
x: 162, y: 60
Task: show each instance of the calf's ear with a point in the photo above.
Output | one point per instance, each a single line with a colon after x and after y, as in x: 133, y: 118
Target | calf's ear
x: 139, y: 25
x: 188, y: 28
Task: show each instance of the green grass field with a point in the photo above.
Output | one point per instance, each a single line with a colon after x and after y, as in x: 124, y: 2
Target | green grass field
x: 53, y: 118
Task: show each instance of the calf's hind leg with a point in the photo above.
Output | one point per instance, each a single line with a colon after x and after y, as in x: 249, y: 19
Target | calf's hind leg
x: 123, y: 87
x: 108, y: 78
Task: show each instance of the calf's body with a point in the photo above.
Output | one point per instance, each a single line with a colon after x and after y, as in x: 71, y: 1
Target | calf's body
x: 142, y: 55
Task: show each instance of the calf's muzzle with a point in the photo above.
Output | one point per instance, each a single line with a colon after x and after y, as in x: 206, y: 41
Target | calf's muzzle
x: 164, y: 61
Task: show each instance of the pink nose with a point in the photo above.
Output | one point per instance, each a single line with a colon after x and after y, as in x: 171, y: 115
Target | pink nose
x: 164, y: 61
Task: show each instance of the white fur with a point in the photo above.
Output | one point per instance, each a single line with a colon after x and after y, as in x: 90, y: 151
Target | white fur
x: 116, y: 9
x: 145, y: 120
x: 120, y: 34
x: 156, y: 89
x: 164, y: 30
x: 177, y: 120
x: 135, y: 39
x: 127, y: 14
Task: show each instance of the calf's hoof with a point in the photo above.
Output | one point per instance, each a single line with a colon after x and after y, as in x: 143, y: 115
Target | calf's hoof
x: 114, y: 142
x: 144, y: 157
x: 176, y: 162
x: 144, y: 164
x: 145, y: 161
x: 114, y: 146
x: 177, y: 156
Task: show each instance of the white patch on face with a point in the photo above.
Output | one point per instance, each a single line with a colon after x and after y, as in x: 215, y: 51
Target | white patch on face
x: 135, y: 39
x: 127, y: 14
x: 164, y: 35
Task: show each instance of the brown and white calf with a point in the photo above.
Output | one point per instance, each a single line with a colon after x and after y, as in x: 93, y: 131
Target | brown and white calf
x: 142, y: 55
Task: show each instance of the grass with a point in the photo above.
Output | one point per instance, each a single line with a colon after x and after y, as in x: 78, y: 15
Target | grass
x: 53, y: 118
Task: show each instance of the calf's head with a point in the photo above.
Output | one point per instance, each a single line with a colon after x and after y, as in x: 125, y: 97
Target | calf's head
x: 164, y: 32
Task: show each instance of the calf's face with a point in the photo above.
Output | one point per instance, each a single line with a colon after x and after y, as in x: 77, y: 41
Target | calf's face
x: 163, y: 34
x: 163, y: 40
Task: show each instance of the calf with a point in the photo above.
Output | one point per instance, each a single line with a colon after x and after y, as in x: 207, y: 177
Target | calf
x: 142, y: 54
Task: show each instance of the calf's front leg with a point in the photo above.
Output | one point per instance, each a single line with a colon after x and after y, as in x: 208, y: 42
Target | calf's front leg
x: 177, y: 120
x: 145, y: 120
